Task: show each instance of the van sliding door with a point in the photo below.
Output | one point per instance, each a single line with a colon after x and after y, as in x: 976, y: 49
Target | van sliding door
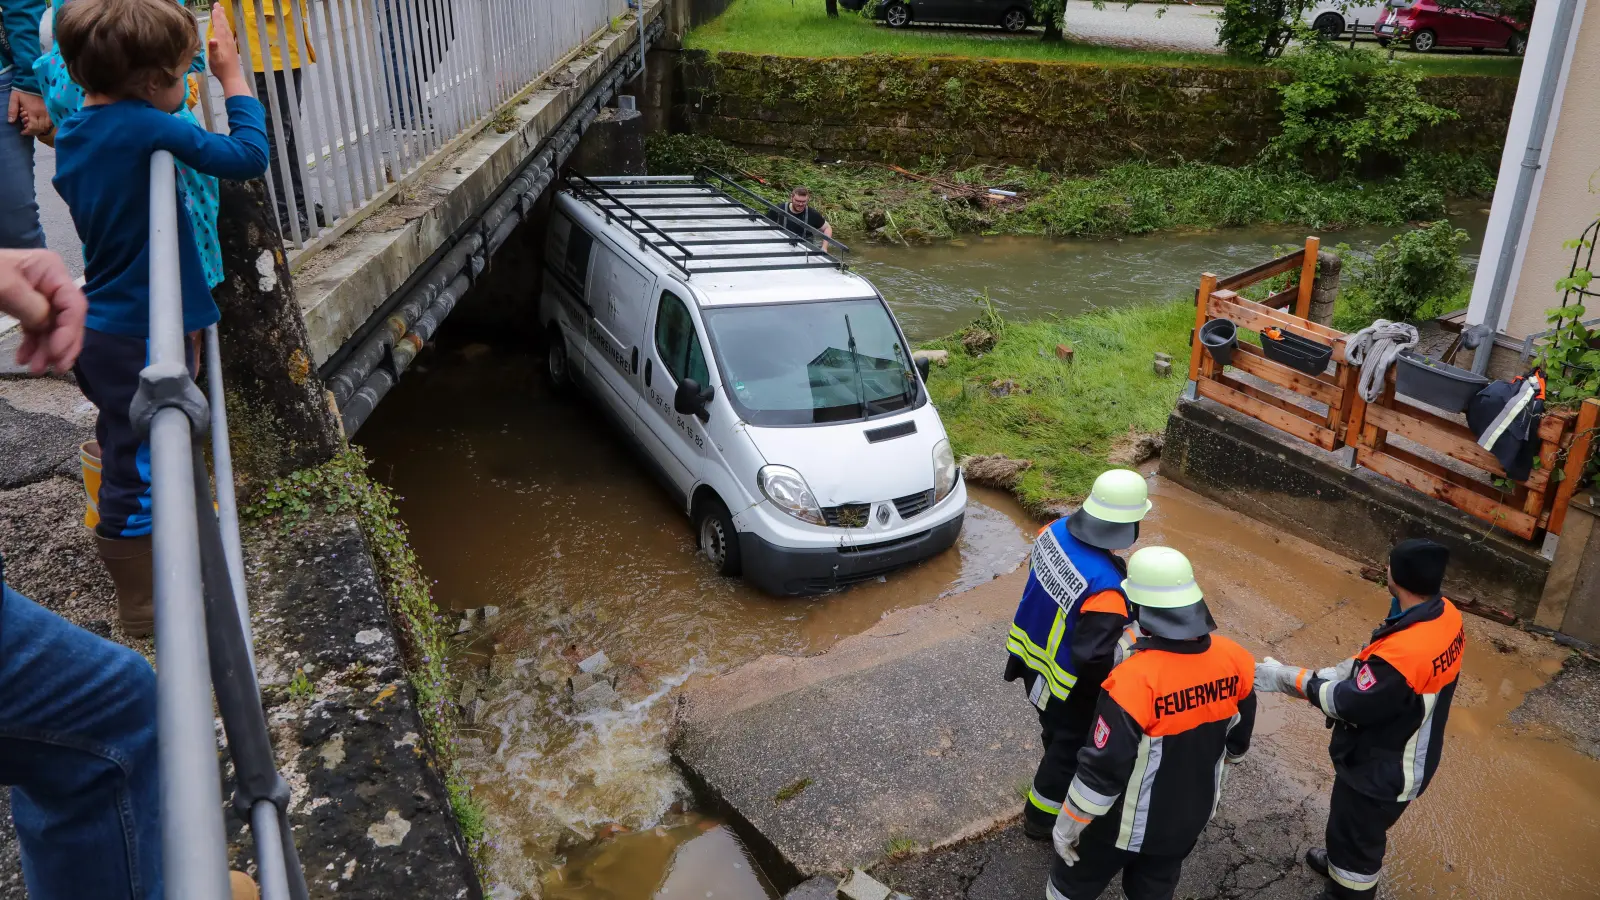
x: 673, y: 351
x: 618, y: 298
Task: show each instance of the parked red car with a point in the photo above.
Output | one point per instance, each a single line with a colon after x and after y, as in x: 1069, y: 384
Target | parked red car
x: 1426, y: 25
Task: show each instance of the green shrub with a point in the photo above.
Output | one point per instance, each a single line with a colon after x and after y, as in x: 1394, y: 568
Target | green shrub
x: 1415, y: 275
x: 1258, y: 29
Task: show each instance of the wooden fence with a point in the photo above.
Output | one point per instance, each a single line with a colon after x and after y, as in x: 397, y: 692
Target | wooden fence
x: 1327, y: 410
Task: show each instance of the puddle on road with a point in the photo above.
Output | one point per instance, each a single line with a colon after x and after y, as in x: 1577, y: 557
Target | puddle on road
x: 1513, y: 811
x: 526, y: 502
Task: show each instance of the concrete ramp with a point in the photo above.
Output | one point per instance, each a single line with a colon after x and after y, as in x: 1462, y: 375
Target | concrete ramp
x: 903, y: 734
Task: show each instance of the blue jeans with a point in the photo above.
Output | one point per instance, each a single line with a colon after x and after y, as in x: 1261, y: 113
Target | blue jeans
x: 19, y: 212
x: 78, y: 748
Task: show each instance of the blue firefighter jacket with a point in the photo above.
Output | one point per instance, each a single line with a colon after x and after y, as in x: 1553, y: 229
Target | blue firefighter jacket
x: 1063, y: 574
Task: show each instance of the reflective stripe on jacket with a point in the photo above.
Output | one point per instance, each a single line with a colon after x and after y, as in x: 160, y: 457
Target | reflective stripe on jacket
x: 1389, y: 715
x: 1066, y: 579
x: 1153, y: 768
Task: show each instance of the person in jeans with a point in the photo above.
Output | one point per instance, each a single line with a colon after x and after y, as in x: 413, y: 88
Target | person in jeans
x: 277, y: 71
x: 25, y: 118
x: 78, y: 742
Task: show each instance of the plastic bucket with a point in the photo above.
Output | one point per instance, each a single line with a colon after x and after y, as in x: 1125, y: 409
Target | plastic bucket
x: 1220, y: 337
x: 89, y: 462
x: 1296, y: 352
x: 1435, y: 383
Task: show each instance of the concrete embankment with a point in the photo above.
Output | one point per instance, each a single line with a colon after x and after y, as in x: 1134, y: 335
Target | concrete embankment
x: 904, y: 738
x: 1068, y: 116
x: 370, y: 811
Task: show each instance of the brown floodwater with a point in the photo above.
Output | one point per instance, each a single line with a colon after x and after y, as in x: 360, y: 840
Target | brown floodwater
x: 1514, y: 810
x: 531, y: 503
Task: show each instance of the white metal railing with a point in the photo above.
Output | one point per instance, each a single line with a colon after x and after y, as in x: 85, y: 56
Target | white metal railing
x: 203, y: 642
x: 394, y: 85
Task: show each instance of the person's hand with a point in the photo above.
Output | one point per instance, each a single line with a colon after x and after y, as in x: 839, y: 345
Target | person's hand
x: 222, y: 57
x: 29, y: 110
x: 1273, y: 676
x: 1070, y: 824
x: 36, y: 288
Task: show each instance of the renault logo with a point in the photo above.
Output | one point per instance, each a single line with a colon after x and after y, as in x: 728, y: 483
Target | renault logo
x: 883, y: 514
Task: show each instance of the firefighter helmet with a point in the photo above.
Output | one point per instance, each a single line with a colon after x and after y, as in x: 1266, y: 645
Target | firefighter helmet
x: 1109, y: 518
x: 1170, y: 604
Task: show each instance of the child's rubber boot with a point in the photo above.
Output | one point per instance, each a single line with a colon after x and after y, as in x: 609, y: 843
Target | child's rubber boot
x: 243, y: 887
x: 132, y: 573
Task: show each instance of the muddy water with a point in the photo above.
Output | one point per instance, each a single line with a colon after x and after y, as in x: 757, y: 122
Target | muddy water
x: 1514, y: 810
x: 529, y: 503
x: 932, y: 286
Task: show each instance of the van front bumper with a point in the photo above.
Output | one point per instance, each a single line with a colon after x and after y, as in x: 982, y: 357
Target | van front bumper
x: 795, y: 571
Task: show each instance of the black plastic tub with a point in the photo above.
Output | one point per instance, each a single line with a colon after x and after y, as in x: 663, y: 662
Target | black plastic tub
x: 1297, y: 352
x: 1220, y: 337
x: 1435, y: 383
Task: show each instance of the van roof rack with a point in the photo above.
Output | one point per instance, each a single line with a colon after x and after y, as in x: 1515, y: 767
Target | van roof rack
x: 708, y: 223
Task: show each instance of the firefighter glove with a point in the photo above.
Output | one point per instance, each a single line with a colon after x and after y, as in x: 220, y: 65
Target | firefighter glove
x: 1341, y: 672
x: 1069, y: 827
x: 1274, y: 676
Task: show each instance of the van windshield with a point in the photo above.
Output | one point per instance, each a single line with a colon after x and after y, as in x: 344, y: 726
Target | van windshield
x: 806, y: 363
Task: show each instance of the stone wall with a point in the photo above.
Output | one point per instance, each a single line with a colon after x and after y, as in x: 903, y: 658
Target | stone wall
x: 1069, y: 116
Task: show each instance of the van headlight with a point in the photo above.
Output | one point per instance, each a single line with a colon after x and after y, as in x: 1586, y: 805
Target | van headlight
x: 790, y: 493
x: 944, y: 470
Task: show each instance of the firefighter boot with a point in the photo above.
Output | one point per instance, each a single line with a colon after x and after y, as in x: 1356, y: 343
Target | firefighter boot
x: 1317, y: 859
x: 129, y: 563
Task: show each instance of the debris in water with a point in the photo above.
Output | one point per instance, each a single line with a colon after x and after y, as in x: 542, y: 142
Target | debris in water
x: 995, y: 470
x: 594, y: 664
x: 862, y: 886
x: 599, y: 695
x: 792, y: 790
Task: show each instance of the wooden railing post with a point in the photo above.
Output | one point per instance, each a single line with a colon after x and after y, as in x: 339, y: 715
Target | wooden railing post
x: 1308, y: 278
x: 1208, y: 283
x: 1577, y: 459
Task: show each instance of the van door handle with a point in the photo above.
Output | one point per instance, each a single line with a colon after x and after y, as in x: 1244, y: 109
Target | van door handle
x: 647, y: 373
x: 635, y: 363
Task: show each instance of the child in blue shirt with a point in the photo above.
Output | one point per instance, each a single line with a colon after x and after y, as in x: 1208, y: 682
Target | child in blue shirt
x: 131, y: 57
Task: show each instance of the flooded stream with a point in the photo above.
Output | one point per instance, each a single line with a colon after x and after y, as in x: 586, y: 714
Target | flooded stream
x: 530, y: 505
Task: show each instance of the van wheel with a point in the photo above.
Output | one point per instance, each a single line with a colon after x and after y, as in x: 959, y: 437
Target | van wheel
x: 1015, y: 19
x: 897, y: 15
x: 1424, y: 41
x: 718, y: 541
x: 555, y: 360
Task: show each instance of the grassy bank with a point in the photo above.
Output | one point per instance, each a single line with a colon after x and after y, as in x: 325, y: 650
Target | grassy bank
x: 789, y: 29
x: 939, y: 201
x: 1020, y: 400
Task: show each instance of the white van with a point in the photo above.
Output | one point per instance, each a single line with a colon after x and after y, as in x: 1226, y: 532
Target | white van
x: 769, y: 387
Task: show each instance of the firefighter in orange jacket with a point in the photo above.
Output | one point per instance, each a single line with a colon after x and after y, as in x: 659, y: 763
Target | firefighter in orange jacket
x: 1175, y: 710
x: 1388, y: 706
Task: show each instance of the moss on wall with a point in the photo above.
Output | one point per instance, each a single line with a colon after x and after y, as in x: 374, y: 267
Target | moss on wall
x: 1067, y: 116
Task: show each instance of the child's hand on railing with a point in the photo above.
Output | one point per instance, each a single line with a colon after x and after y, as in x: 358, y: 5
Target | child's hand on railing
x: 222, y: 56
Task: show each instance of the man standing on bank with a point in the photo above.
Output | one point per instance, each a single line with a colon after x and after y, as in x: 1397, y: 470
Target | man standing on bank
x: 1064, y: 636
x: 1175, y: 713
x: 1388, y: 706
x: 802, y: 213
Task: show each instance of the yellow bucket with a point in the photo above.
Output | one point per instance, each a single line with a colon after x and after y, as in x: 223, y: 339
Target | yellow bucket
x: 89, y: 460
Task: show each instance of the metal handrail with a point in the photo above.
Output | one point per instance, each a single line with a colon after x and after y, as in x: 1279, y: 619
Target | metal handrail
x: 202, y: 632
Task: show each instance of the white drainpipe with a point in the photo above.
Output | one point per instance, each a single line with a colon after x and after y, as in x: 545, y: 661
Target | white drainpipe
x: 1547, y: 57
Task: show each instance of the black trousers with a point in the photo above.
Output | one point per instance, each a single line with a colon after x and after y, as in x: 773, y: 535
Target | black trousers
x: 1145, y: 876
x: 1063, y: 726
x: 289, y: 192
x: 1358, y: 835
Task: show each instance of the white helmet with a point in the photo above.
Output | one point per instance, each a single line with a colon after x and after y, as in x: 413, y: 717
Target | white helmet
x: 1109, y: 517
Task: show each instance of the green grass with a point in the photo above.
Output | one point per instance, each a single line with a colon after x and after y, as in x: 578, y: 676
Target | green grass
x: 1065, y: 418
x: 870, y: 199
x: 803, y: 28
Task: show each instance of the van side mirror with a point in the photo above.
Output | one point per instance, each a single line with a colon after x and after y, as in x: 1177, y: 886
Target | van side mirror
x: 923, y: 366
x: 691, y: 399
